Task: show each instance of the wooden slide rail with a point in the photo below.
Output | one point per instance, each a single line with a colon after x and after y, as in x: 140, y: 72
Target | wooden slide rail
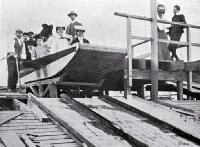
x: 154, y: 48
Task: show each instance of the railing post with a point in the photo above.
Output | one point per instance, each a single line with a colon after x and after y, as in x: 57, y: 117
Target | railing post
x: 154, y: 52
x: 189, y: 59
x: 129, y: 51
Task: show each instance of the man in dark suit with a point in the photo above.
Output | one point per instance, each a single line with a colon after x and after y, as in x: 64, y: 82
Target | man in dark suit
x: 176, y: 31
x: 80, y: 36
x: 70, y: 30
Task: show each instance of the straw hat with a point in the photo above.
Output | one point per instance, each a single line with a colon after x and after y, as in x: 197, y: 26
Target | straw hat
x: 72, y: 13
x: 79, y: 28
x: 161, y: 8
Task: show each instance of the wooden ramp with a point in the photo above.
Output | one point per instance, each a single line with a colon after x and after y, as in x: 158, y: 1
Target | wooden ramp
x: 193, y: 105
x: 162, y: 113
x: 24, y: 129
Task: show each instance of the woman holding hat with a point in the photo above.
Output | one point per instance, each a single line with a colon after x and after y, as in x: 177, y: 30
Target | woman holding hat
x: 70, y: 30
x: 163, y: 52
x: 80, y: 35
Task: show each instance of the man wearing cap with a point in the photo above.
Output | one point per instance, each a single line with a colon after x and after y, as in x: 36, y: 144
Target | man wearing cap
x: 60, y: 41
x: 80, y: 30
x: 163, y: 52
x: 19, y: 45
x: 19, y: 50
x: 70, y: 30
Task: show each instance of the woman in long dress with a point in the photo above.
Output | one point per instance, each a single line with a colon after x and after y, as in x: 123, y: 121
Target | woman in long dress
x: 163, y: 52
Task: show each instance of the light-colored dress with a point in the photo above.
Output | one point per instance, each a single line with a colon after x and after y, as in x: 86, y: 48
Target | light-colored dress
x: 163, y: 52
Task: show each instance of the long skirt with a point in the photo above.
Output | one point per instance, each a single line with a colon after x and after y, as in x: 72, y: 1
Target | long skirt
x: 163, y: 52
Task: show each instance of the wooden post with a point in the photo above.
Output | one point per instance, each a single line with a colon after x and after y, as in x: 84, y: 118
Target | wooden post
x: 125, y: 77
x: 129, y: 50
x: 53, y: 91
x: 189, y: 56
x: 179, y: 90
x: 154, y: 52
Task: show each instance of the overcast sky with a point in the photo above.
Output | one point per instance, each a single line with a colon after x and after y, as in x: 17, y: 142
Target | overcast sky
x: 102, y: 27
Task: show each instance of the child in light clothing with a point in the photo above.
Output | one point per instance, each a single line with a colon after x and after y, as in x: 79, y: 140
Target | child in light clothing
x: 38, y: 52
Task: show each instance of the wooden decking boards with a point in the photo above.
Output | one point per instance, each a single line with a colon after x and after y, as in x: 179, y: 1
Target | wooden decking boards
x: 164, y: 114
x: 29, y: 129
x: 85, y: 126
x: 135, y: 126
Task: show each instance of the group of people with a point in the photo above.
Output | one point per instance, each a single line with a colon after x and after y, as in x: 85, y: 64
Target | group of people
x: 174, y: 31
x: 29, y: 46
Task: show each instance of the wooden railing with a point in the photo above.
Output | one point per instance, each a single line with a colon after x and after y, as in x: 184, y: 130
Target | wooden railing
x: 154, y: 48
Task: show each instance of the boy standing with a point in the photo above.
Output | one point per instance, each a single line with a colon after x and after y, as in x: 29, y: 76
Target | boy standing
x: 38, y: 52
x: 176, y: 31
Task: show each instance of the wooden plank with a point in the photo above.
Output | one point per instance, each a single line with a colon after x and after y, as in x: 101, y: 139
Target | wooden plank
x: 169, y: 117
x: 80, y: 125
x: 11, y: 140
x: 27, y: 141
x: 8, y: 116
x: 6, y: 95
x: 150, y: 19
x: 144, y: 74
x: 136, y: 127
x: 41, y: 82
x: 38, y: 112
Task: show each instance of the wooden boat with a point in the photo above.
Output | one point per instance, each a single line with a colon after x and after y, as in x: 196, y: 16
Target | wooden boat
x: 83, y: 63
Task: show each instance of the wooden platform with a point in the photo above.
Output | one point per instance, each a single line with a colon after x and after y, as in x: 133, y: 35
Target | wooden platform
x: 35, y: 132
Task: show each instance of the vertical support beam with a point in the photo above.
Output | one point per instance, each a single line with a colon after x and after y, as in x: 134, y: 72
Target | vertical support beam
x: 53, y: 91
x: 126, y: 77
x: 129, y: 48
x: 179, y: 90
x: 189, y: 59
x: 154, y: 52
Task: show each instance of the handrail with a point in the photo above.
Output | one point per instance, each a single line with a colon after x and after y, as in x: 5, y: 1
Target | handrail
x: 159, y: 20
x: 146, y: 39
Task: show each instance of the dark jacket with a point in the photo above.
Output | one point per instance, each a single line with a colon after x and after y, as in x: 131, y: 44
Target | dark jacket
x: 76, y: 40
x: 177, y: 28
x: 70, y: 30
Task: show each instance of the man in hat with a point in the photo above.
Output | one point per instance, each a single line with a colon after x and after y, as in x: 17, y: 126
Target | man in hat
x: 13, y: 58
x: 80, y: 35
x: 70, y: 30
x: 176, y: 31
x: 19, y: 45
x: 163, y: 52
x: 60, y: 41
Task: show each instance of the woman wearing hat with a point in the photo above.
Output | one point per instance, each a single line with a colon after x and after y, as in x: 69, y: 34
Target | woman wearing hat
x: 70, y: 30
x: 80, y: 35
x: 163, y: 52
x: 60, y: 40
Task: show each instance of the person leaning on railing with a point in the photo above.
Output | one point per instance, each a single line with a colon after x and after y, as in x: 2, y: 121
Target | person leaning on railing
x: 176, y: 31
x: 163, y: 52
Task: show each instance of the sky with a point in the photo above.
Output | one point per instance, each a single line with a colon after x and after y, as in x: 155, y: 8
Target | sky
x: 97, y: 16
